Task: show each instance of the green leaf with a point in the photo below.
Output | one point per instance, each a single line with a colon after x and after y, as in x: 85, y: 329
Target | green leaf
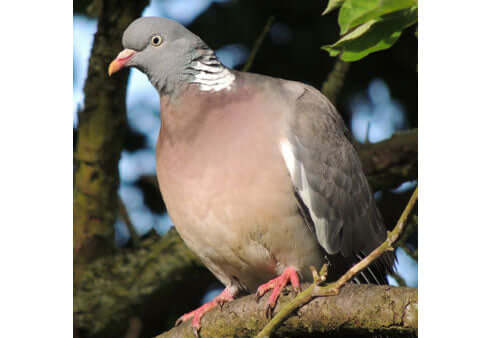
x: 357, y: 12
x: 332, y: 4
x: 372, y: 36
x: 357, y: 32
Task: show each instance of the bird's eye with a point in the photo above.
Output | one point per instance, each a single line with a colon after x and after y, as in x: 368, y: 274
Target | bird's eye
x: 156, y: 40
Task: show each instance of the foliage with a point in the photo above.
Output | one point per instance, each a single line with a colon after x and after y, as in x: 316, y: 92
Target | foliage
x: 368, y: 26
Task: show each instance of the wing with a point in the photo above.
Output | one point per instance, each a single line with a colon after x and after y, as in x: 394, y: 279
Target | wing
x: 328, y: 177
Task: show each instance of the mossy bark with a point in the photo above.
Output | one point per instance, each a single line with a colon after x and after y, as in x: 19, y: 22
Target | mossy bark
x: 101, y: 125
x: 156, y: 282
x: 357, y: 311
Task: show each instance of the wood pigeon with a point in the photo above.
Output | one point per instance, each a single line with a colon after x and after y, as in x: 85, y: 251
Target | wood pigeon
x: 259, y: 174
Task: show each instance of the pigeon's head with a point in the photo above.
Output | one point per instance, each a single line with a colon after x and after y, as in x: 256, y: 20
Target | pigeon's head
x: 159, y: 47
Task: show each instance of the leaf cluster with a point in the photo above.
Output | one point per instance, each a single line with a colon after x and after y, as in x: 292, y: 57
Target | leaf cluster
x: 367, y: 26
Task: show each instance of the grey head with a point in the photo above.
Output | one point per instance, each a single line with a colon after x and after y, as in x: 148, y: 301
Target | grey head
x: 167, y: 52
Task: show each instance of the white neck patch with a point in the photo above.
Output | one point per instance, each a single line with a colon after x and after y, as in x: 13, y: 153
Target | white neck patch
x: 212, y: 75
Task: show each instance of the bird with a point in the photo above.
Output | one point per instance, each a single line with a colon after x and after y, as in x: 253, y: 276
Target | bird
x: 260, y: 175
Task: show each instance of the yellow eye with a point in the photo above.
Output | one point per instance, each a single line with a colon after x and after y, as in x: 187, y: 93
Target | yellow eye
x: 156, y: 40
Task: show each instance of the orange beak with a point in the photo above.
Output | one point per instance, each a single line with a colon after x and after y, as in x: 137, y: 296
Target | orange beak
x: 120, y: 61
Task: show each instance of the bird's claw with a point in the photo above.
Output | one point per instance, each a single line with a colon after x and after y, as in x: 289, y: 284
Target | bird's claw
x: 181, y: 320
x: 269, y: 311
x: 277, y: 284
x: 197, y: 314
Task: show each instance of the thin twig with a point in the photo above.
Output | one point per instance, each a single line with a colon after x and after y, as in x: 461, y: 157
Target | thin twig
x: 409, y: 230
x: 122, y: 209
x: 367, y: 135
x: 315, y: 290
x: 257, y: 44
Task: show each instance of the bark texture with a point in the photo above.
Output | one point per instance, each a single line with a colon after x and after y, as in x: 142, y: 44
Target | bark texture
x: 391, y: 162
x: 357, y: 311
x: 157, y: 281
x: 101, y: 125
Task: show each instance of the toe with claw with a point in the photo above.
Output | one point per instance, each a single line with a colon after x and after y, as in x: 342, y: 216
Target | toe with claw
x: 277, y: 285
x: 224, y: 297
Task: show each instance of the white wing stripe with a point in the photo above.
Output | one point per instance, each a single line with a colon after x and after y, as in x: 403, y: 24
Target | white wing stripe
x: 304, y: 190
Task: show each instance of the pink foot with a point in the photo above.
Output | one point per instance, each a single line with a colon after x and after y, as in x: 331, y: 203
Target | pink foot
x: 277, y: 284
x: 223, y: 297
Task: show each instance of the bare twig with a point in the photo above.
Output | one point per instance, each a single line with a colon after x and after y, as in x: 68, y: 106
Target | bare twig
x: 302, y: 298
x: 257, y: 44
x: 315, y: 290
x: 409, y: 230
x: 367, y: 134
x: 134, y: 238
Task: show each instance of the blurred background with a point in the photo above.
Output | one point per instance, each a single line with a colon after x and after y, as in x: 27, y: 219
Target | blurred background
x: 379, y: 96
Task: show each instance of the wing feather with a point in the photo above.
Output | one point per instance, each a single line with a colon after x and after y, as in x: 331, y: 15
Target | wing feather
x: 328, y: 178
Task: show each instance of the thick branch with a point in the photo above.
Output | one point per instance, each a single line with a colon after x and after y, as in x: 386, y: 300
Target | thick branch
x: 101, y: 126
x: 391, y: 162
x: 358, y: 310
x: 143, y: 282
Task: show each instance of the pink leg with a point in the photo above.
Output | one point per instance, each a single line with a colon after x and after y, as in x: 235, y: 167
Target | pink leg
x: 223, y: 297
x: 277, y: 284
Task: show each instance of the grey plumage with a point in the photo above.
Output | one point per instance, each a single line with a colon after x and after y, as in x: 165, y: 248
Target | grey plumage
x: 341, y: 193
x: 258, y: 173
x: 166, y: 65
x: 329, y: 180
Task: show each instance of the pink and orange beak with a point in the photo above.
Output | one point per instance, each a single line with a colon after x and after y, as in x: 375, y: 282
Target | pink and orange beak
x: 120, y: 61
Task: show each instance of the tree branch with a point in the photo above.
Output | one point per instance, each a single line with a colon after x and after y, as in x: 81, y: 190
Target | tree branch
x: 391, y: 162
x: 357, y: 311
x: 134, y: 237
x: 101, y: 126
x: 143, y: 282
x: 257, y: 44
x: 335, y: 80
x: 410, y: 229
